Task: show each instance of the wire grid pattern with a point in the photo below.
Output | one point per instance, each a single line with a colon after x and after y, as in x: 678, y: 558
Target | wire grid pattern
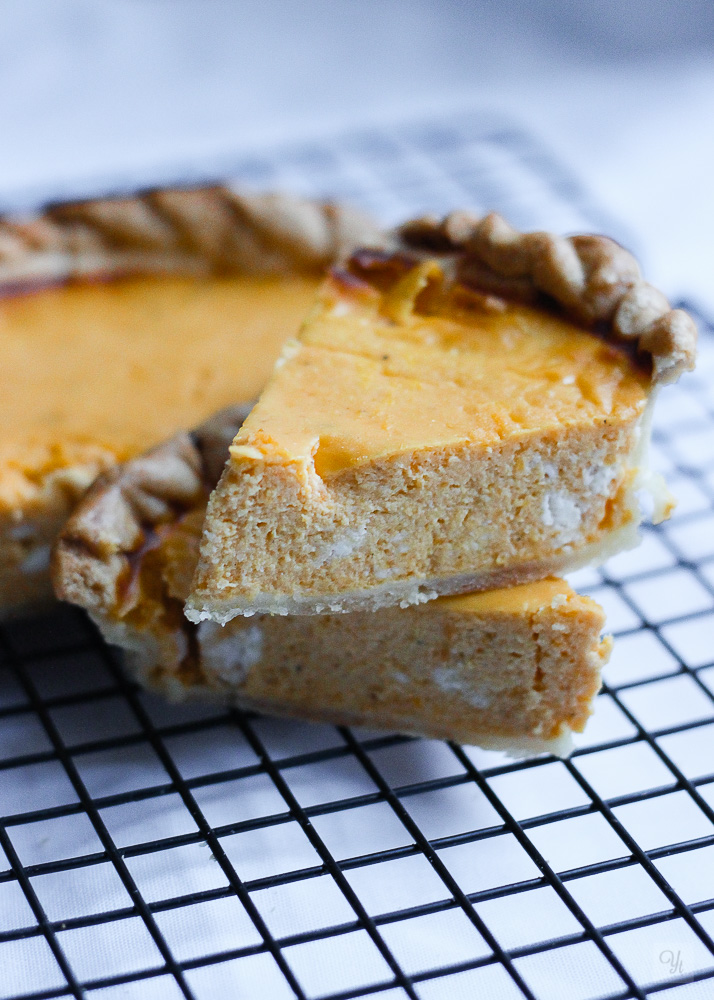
x: 154, y: 851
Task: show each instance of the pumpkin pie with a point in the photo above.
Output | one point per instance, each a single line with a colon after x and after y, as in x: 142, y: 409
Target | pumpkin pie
x: 465, y: 410
x: 123, y: 319
x: 512, y: 669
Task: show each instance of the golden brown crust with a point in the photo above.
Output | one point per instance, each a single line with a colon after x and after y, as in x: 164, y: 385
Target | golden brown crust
x: 595, y: 280
x: 186, y: 230
x: 115, y: 520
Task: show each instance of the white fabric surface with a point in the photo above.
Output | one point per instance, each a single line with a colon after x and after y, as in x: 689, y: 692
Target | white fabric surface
x: 114, y: 92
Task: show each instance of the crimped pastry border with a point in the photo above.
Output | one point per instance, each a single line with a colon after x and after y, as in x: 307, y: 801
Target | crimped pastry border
x: 199, y: 230
x: 596, y: 281
x: 92, y: 557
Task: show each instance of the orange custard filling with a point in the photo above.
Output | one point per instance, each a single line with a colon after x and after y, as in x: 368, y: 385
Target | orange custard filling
x: 524, y: 598
x: 361, y: 387
x: 118, y: 367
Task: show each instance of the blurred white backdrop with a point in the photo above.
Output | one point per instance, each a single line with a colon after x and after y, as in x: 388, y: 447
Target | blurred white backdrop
x: 125, y: 89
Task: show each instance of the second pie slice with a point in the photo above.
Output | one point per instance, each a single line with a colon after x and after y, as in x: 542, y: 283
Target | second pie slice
x: 467, y: 410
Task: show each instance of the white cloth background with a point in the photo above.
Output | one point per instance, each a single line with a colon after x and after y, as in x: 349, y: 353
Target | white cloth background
x: 102, y: 91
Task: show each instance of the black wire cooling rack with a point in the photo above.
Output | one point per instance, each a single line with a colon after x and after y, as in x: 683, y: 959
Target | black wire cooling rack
x: 153, y: 852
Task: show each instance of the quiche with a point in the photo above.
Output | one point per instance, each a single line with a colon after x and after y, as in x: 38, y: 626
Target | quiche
x: 512, y: 669
x: 124, y: 319
x: 464, y: 410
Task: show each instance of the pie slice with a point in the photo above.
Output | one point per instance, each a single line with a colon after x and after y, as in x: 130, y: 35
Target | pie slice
x: 512, y: 669
x: 467, y: 410
x: 125, y: 319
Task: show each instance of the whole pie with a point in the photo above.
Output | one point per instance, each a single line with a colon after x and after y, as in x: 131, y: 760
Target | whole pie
x: 467, y: 409
x: 124, y: 319
x: 513, y: 669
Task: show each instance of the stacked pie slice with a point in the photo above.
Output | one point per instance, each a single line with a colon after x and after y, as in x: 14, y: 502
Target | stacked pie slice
x: 464, y: 413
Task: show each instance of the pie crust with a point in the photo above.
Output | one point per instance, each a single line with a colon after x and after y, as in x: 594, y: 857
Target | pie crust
x: 513, y: 669
x: 202, y: 231
x: 187, y: 238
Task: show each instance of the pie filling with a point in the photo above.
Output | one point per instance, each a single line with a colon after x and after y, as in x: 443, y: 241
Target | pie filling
x: 122, y: 365
x: 483, y: 444
x: 93, y: 373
